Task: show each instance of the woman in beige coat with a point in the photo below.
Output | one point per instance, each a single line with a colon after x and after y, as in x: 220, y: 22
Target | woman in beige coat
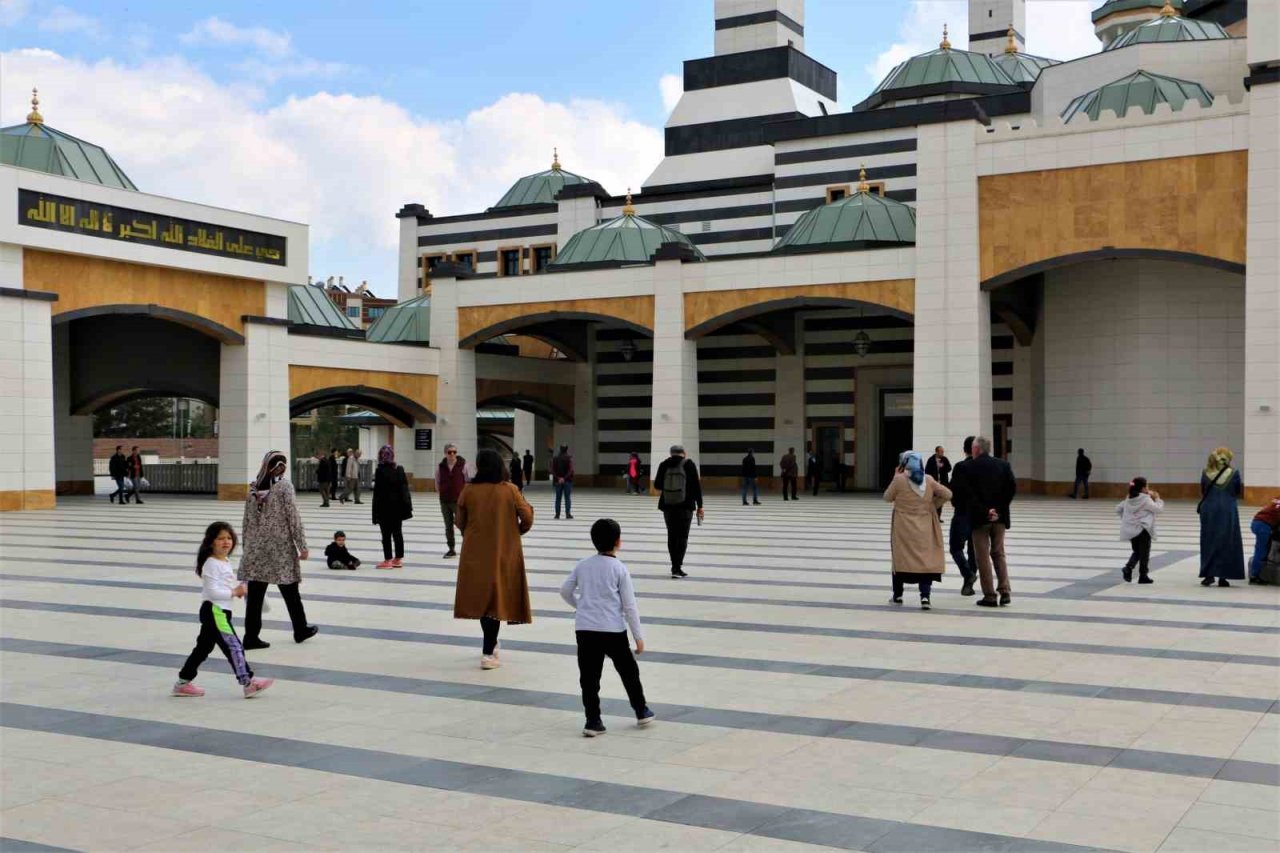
x: 492, y: 587
x: 916, y: 533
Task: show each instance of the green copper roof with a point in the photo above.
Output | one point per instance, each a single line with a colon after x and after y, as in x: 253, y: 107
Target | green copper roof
x: 1141, y: 88
x: 35, y: 145
x: 625, y: 239
x: 944, y: 65
x: 863, y: 218
x: 404, y: 321
x: 541, y: 188
x: 1113, y: 6
x: 1175, y: 28
x: 1022, y: 67
x: 309, y: 306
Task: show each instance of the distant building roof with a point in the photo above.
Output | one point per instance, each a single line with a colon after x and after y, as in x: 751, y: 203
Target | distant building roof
x: 1170, y: 27
x: 862, y: 220
x: 1022, y: 67
x: 405, y: 321
x: 941, y: 71
x: 1141, y: 88
x: 624, y: 239
x: 541, y: 187
x: 1113, y: 6
x: 35, y: 145
x: 309, y: 305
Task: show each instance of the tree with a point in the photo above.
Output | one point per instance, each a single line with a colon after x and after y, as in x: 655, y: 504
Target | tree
x: 323, y: 433
x: 149, y: 417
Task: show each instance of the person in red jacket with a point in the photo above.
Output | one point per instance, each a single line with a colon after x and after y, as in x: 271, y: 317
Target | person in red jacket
x: 1263, y: 527
x: 134, y: 468
x: 451, y: 477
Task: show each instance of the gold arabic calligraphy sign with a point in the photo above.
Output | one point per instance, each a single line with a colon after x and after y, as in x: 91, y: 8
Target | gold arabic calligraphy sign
x: 58, y: 213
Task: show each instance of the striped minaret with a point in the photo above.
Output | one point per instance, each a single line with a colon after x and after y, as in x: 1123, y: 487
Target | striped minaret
x: 989, y: 22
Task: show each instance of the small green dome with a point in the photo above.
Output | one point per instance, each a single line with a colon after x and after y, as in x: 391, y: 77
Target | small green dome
x: 965, y: 71
x: 1170, y: 28
x: 309, y: 305
x: 1022, y: 67
x: 1141, y: 88
x: 408, y: 321
x: 35, y: 145
x: 540, y: 188
x: 625, y: 239
x: 1113, y: 6
x: 863, y: 220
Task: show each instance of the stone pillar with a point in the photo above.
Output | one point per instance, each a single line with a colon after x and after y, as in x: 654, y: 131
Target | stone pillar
x: 675, y: 369
x: 543, y: 437
x: 253, y: 410
x: 952, y: 362
x: 789, y: 429
x: 524, y: 431
x: 456, y: 391
x: 72, y: 434
x: 26, y: 384
x: 584, y: 443
x: 407, y: 281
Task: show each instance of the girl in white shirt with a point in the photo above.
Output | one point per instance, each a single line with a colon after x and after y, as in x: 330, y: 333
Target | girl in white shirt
x: 1138, y: 524
x: 220, y: 591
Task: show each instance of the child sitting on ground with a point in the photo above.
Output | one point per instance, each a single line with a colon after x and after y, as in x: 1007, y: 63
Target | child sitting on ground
x: 599, y: 589
x: 1138, y: 525
x: 337, y: 555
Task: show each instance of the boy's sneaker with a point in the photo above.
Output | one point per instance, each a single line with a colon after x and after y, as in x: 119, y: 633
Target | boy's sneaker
x: 489, y: 662
x: 386, y: 564
x: 397, y: 563
x: 187, y: 689
x: 678, y: 573
x: 1145, y: 579
x: 451, y: 553
x: 645, y: 717
x: 897, y: 599
x: 924, y: 604
x: 256, y: 686
x: 593, y: 728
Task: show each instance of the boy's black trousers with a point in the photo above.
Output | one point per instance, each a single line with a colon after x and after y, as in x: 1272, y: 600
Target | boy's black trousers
x: 593, y: 648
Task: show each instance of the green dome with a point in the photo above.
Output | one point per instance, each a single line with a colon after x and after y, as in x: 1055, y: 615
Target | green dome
x: 861, y: 221
x: 309, y: 305
x: 959, y: 71
x: 625, y: 239
x: 541, y: 188
x: 1170, y: 28
x: 1113, y: 6
x: 1141, y: 88
x: 1022, y: 67
x: 35, y: 145
x: 404, y: 321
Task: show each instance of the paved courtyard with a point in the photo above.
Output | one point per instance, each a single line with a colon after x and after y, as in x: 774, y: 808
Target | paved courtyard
x: 796, y: 707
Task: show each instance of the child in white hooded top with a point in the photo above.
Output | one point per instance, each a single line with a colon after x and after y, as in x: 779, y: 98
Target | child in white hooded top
x: 1138, y: 525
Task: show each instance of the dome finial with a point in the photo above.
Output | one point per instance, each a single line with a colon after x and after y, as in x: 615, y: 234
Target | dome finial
x: 1167, y: 11
x: 34, y: 116
x: 628, y: 209
x: 555, y: 159
x: 946, y: 43
x: 1011, y: 46
x: 863, y: 186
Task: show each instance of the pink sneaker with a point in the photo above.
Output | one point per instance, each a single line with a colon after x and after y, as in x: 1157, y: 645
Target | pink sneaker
x: 397, y: 563
x: 386, y: 564
x: 187, y: 689
x: 253, y: 688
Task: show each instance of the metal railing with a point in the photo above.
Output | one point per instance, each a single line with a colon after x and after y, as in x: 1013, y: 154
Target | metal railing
x: 190, y: 478
x: 304, y: 475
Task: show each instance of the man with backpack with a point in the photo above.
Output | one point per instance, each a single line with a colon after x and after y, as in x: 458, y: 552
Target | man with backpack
x: 562, y: 477
x: 680, y: 493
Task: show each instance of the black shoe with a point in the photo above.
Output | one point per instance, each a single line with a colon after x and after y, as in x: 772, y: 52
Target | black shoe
x: 357, y: 503
x: 988, y: 601
x: 1127, y: 572
x: 1005, y: 599
x: 896, y: 599
x: 967, y: 588
x: 755, y: 503
x: 451, y: 553
x: 645, y: 717
x: 1223, y: 582
x: 111, y: 498
x: 678, y: 573
x: 1207, y: 582
x: 568, y: 517
x: 557, y: 518
x: 1145, y: 579
x: 593, y: 728
x: 307, y: 634
x: 1257, y: 582
x: 250, y: 645
x: 744, y: 503
x: 924, y: 604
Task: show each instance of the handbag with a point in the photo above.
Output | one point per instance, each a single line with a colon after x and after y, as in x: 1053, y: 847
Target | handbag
x: 144, y: 483
x: 1206, y: 491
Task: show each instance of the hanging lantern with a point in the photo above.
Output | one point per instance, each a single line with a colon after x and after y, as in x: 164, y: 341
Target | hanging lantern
x: 861, y: 343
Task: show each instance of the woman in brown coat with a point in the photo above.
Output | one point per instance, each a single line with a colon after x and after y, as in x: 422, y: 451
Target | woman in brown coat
x: 492, y: 587
x: 916, y: 536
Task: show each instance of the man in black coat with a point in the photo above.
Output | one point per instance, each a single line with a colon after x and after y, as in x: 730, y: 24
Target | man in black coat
x: 528, y: 466
x: 1084, y: 467
x: 939, y: 468
x: 680, y: 492
x: 960, y: 537
x: 813, y: 471
x: 749, y: 473
x: 989, y: 488
x: 324, y: 474
x: 116, y: 467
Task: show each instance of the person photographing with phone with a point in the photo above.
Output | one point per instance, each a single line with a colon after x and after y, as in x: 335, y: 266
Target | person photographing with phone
x: 680, y: 492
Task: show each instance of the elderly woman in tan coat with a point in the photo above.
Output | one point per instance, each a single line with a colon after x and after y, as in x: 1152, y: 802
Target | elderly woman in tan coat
x: 492, y: 587
x: 916, y: 536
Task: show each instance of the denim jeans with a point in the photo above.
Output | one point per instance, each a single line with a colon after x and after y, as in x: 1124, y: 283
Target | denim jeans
x: 1260, y: 547
x: 564, y: 489
x: 750, y: 482
x: 960, y: 541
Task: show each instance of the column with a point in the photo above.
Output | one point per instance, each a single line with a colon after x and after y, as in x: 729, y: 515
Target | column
x: 523, y: 432
x: 952, y: 361
x: 253, y: 410
x: 585, y: 438
x: 456, y: 391
x: 26, y: 385
x: 543, y: 437
x: 675, y: 369
x: 72, y: 434
x: 789, y: 428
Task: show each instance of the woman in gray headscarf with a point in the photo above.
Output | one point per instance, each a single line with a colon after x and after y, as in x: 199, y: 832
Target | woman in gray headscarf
x: 274, y: 545
x: 916, y: 533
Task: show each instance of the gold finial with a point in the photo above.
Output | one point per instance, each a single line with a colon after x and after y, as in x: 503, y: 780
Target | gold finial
x: 555, y: 159
x: 946, y: 43
x: 34, y: 116
x: 628, y: 209
x: 863, y: 186
x: 1167, y: 11
x: 1011, y: 46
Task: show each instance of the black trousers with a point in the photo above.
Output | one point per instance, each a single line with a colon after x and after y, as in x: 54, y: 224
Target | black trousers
x: 1141, y: 545
x: 489, y: 626
x: 678, y: 522
x: 253, y: 608
x: 391, y: 530
x: 593, y: 648
x: 814, y: 481
x: 789, y: 481
x: 216, y: 632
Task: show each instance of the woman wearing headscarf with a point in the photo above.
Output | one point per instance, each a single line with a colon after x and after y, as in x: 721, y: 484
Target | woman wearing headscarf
x: 1221, y: 545
x: 274, y: 545
x: 392, y: 504
x: 919, y: 556
x: 492, y: 587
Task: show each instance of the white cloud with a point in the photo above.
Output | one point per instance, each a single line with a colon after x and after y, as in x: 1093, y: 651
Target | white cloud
x: 341, y: 163
x: 12, y: 11
x: 60, y: 19
x: 672, y: 87
x: 215, y: 31
x: 1061, y: 29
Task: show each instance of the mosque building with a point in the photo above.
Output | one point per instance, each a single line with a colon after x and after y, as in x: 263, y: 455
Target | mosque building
x: 1056, y: 254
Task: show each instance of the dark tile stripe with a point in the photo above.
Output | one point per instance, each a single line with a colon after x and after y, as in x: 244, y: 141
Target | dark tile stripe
x: 17, y: 845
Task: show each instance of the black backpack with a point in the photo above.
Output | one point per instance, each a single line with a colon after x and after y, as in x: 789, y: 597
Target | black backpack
x: 675, y: 485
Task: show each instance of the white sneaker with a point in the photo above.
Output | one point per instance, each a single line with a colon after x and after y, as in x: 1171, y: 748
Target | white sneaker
x: 489, y: 662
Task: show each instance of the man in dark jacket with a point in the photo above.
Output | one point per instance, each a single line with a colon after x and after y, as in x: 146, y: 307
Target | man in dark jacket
x: 335, y: 473
x: 451, y: 477
x: 680, y: 496
x: 324, y: 474
x: 133, y: 470
x: 116, y: 467
x: 989, y: 488
x: 790, y: 473
x: 749, y: 469
x: 528, y: 466
x: 939, y: 468
x: 1084, y: 467
x: 813, y: 471
x: 960, y: 537
x: 562, y: 477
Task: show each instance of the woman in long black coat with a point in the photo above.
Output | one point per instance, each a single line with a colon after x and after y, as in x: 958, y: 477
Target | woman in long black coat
x: 392, y: 504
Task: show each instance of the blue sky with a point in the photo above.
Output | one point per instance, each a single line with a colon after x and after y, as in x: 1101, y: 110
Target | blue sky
x: 336, y: 113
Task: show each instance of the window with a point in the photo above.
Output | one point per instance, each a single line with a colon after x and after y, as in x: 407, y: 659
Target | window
x: 467, y: 257
x: 837, y: 193
x: 353, y: 311
x: 508, y: 262
x: 542, y: 256
x: 375, y: 313
x: 877, y: 187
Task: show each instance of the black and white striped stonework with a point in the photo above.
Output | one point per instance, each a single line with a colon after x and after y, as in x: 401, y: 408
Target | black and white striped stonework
x: 796, y: 708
